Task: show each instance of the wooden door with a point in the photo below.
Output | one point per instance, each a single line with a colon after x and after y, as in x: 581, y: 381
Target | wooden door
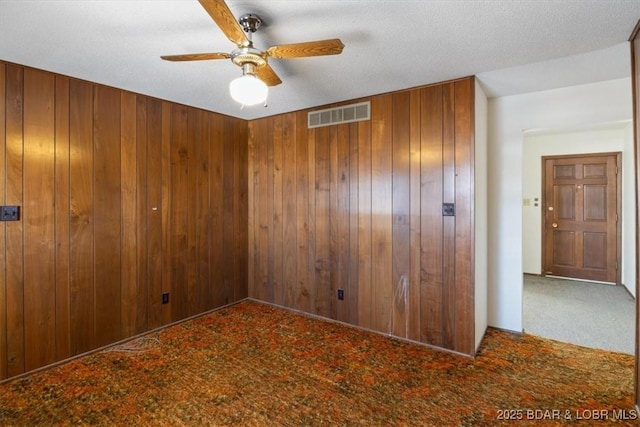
x: 580, y: 220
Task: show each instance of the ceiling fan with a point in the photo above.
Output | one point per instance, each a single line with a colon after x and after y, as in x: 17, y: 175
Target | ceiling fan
x: 257, y: 74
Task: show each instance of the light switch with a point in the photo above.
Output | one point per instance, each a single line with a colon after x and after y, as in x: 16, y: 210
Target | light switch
x: 9, y: 213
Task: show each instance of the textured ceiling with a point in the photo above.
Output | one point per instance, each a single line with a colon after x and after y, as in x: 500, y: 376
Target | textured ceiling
x: 514, y: 46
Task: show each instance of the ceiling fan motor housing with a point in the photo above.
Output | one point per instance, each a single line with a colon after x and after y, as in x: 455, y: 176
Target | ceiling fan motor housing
x: 244, y: 55
x: 248, y: 55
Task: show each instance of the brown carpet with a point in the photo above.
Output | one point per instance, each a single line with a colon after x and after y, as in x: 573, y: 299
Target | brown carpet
x: 253, y: 364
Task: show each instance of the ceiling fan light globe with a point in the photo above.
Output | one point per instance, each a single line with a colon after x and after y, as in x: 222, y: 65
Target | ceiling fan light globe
x: 248, y: 90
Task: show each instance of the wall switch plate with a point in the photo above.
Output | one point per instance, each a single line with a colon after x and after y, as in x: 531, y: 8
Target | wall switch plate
x: 165, y: 298
x: 9, y: 213
x: 448, y: 209
x: 340, y: 294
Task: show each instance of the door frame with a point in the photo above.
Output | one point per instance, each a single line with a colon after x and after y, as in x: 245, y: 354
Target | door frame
x: 618, y: 206
x: 634, y: 44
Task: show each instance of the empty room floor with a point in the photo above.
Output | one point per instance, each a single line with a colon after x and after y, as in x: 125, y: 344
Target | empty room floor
x: 589, y: 314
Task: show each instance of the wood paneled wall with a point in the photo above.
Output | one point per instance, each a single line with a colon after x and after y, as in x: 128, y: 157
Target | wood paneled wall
x: 123, y: 197
x: 358, y: 207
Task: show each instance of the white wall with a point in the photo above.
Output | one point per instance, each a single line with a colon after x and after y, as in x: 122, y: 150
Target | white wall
x: 612, y: 137
x: 629, y: 224
x: 480, y: 213
x: 509, y: 116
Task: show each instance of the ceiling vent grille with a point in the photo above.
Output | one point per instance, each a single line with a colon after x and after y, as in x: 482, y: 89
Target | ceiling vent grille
x: 345, y: 114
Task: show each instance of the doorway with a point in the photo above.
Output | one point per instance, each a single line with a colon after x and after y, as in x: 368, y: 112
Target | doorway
x: 600, y: 139
x: 580, y: 216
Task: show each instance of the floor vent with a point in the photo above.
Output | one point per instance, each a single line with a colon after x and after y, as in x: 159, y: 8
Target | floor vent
x: 345, y: 114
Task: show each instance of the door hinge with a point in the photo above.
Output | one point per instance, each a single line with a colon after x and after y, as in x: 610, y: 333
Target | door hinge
x: 616, y: 170
x: 616, y: 217
x: 616, y: 265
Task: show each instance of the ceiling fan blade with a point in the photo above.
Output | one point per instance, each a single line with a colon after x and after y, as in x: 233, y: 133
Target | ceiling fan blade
x: 300, y: 50
x: 267, y: 75
x: 196, y: 56
x: 221, y: 14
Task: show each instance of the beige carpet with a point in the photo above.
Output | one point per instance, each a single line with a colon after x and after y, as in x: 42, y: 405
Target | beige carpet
x: 584, y: 313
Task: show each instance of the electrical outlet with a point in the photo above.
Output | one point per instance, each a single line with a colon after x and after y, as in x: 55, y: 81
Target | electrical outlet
x: 165, y: 298
x: 340, y: 294
x: 9, y: 213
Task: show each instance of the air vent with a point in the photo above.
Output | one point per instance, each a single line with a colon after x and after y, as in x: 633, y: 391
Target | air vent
x: 345, y: 114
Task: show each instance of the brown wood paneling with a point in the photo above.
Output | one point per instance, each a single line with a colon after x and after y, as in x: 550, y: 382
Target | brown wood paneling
x: 216, y: 210
x: 349, y: 182
x: 153, y: 218
x: 230, y: 151
x: 368, y: 209
x: 179, y: 213
x: 62, y: 244
x: 258, y: 282
x: 167, y: 202
x: 365, y: 190
x: 228, y: 197
x: 203, y: 298
x: 268, y: 209
x: 342, y: 181
x: 353, y: 289
x: 14, y: 238
x: 107, y: 214
x: 193, y: 133
x: 264, y: 211
x: 381, y: 209
x: 141, y: 207
x: 276, y: 242
x: 414, y: 212
x: 323, y: 261
x: 334, y: 214
x: 38, y: 216
x: 236, y: 207
x: 289, y: 216
x: 431, y: 198
x: 129, y: 266
x: 449, y: 296
x: 81, y: 227
x: 253, y: 177
x: 464, y: 200
x: 115, y: 194
x: 301, y: 290
x: 214, y: 131
x: 3, y: 229
x: 401, y: 188
x: 312, y: 288
x: 241, y: 208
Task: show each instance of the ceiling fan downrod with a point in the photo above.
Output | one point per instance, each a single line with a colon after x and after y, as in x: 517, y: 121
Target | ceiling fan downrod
x: 249, y: 55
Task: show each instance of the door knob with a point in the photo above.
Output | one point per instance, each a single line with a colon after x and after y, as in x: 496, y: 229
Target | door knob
x: 554, y: 225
